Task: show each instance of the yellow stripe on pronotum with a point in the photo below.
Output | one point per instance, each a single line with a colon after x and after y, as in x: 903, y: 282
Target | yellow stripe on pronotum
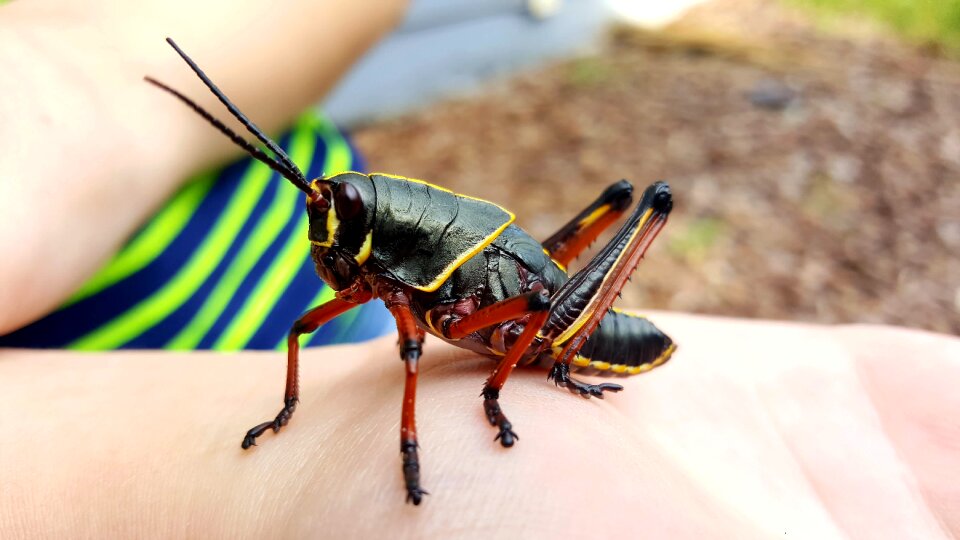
x: 418, y: 181
x: 333, y: 223
x: 434, y: 186
x: 466, y: 255
x: 452, y: 267
x: 556, y: 262
x: 365, y: 249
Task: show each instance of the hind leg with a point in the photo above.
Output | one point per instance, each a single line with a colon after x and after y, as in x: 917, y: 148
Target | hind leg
x: 582, y: 302
x: 567, y: 243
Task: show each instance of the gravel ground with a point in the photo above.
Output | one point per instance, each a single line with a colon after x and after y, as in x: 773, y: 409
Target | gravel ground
x: 816, y: 174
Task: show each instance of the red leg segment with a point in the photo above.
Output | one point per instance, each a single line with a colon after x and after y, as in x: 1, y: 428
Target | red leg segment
x: 491, y: 391
x: 411, y: 340
x: 312, y: 320
x: 534, y: 303
x: 574, y: 237
x: 505, y: 310
x: 611, y: 287
x: 582, y: 302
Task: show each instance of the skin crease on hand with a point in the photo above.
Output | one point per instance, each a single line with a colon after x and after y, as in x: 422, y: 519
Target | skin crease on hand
x: 90, y: 150
x: 754, y: 429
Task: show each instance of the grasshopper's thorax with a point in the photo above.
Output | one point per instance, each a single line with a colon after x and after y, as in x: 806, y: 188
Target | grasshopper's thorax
x: 340, y: 211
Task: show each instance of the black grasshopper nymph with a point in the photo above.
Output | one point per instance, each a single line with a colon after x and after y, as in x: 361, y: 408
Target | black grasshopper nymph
x: 458, y: 268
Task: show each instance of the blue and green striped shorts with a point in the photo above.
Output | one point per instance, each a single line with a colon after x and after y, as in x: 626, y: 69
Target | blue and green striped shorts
x: 225, y: 265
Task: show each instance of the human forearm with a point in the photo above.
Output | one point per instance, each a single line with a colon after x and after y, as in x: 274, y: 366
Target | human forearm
x: 89, y: 150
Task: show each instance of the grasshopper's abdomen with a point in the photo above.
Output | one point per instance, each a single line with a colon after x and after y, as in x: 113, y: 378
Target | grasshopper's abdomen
x: 624, y: 344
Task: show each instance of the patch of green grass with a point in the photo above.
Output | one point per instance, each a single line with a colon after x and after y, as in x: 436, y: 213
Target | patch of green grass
x: 693, y: 242
x: 588, y: 72
x: 924, y: 21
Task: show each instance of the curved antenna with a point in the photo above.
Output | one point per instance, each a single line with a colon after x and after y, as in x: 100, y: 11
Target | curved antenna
x: 297, y: 180
x: 251, y: 127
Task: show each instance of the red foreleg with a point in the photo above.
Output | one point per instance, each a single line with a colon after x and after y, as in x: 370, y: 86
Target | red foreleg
x: 306, y: 324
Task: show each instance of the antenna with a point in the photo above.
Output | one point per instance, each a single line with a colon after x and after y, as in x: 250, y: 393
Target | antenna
x: 282, y: 164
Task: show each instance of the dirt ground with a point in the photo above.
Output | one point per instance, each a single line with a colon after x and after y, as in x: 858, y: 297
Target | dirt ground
x: 816, y: 174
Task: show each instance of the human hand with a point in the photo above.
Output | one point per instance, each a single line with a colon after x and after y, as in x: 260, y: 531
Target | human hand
x: 755, y: 428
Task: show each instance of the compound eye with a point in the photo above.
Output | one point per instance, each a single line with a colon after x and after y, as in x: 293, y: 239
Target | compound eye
x: 328, y: 260
x: 347, y: 201
x: 317, y: 202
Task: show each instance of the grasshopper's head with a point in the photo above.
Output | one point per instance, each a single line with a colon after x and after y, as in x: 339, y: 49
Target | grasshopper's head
x: 341, y: 210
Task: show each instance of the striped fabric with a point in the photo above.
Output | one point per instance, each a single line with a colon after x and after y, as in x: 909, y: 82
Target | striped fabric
x: 225, y: 265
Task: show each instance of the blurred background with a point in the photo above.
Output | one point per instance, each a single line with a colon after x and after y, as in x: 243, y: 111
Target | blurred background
x: 813, y: 146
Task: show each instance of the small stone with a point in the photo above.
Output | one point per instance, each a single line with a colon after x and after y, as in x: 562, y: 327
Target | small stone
x: 771, y: 94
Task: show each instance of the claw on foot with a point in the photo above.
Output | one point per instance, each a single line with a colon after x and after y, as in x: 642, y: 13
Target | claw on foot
x: 595, y: 390
x: 282, y: 419
x: 560, y: 373
x: 495, y: 416
x: 411, y: 471
x: 415, y: 495
x: 506, y: 436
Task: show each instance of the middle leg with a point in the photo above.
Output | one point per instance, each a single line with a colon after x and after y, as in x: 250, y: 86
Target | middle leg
x: 411, y: 347
x: 536, y: 304
x: 491, y: 390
